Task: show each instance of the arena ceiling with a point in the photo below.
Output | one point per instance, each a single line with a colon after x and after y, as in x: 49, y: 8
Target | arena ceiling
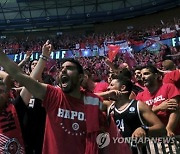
x: 33, y: 14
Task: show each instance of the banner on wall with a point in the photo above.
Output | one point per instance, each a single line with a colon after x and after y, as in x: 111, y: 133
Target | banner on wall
x: 54, y: 55
x: 124, y: 47
x: 57, y: 55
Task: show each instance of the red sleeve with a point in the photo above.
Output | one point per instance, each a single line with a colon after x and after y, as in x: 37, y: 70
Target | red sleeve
x: 139, y: 96
x: 172, y: 77
x: 172, y: 91
x: 101, y: 87
x: 52, y: 97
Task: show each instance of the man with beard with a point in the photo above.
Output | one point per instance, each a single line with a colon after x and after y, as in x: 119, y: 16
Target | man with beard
x: 73, y: 117
x: 162, y: 98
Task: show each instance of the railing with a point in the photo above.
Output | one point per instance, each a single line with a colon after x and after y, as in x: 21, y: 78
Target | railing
x: 159, y: 145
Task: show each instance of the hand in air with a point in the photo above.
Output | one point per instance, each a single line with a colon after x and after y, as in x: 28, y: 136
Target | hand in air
x: 47, y: 49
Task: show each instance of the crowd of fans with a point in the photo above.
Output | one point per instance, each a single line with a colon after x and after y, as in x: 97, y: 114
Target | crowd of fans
x: 140, y: 58
x: 70, y: 109
x: 79, y: 41
x: 69, y: 41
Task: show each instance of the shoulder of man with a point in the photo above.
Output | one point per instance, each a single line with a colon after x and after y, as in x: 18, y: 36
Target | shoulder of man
x: 92, y: 99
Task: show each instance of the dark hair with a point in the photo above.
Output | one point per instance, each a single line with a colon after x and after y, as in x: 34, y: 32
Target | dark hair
x: 30, y: 63
x: 126, y: 73
x: 137, y: 68
x: 88, y: 73
x: 125, y: 81
x: 113, y: 76
x: 152, y: 68
x: 78, y: 65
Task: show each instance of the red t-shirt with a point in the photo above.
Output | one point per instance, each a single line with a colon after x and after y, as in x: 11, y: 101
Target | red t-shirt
x: 173, y: 77
x: 166, y: 91
x: 65, y: 131
x: 142, y: 87
x: 11, y: 140
x: 101, y: 87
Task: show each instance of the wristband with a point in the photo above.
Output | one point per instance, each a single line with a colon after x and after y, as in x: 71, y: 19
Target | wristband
x: 146, y: 128
x: 44, y: 57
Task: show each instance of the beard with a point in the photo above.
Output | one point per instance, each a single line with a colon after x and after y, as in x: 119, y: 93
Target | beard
x: 71, y: 86
x: 67, y: 90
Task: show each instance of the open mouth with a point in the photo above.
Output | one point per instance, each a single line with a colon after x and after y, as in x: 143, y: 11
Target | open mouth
x: 64, y: 81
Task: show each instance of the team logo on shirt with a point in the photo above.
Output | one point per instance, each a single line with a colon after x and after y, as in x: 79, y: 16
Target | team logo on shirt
x: 75, y: 126
x: 10, y: 145
x: 76, y: 117
x: 131, y: 109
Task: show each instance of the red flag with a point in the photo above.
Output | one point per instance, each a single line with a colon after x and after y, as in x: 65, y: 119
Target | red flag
x: 113, y: 50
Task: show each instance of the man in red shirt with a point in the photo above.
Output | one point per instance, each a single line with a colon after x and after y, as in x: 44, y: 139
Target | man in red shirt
x: 173, y: 77
x: 73, y: 117
x: 163, y: 98
x: 171, y: 74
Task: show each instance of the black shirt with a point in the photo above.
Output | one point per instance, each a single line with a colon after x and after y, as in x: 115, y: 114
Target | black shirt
x: 32, y: 121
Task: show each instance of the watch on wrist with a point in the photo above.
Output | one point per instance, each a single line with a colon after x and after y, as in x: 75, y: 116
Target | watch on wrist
x: 146, y: 128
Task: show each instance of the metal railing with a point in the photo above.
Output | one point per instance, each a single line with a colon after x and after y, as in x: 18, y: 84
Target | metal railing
x: 159, y: 145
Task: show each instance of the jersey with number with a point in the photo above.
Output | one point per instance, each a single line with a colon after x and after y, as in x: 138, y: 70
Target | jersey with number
x: 11, y: 140
x: 128, y: 119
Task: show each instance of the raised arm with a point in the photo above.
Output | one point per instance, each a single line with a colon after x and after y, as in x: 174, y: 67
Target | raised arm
x: 27, y: 58
x: 38, y: 70
x: 111, y: 66
x: 37, y: 89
